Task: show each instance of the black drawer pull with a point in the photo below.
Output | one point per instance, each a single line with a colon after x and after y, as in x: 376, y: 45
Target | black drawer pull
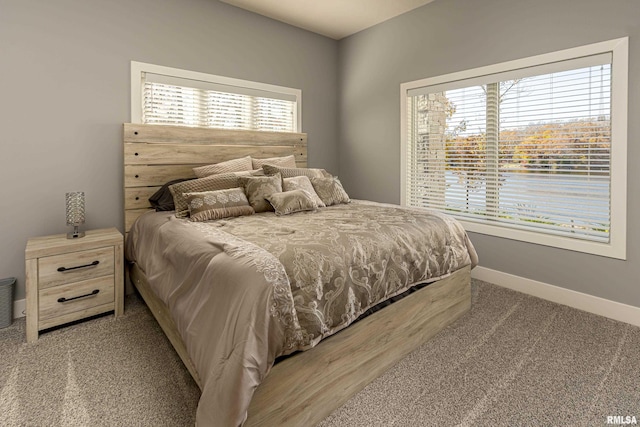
x: 93, y: 264
x: 92, y: 293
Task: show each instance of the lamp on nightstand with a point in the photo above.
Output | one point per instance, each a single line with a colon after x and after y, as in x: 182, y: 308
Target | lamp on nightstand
x: 75, y: 213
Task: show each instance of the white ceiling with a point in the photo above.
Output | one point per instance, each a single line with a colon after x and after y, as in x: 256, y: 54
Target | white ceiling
x: 331, y: 18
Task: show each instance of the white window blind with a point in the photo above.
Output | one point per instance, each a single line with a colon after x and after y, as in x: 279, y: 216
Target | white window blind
x: 178, y: 97
x: 523, y: 149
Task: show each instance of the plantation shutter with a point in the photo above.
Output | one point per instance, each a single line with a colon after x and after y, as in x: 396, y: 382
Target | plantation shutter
x: 185, y: 102
x: 526, y: 149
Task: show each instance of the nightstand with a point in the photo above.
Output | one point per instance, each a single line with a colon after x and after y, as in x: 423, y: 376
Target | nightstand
x: 71, y: 279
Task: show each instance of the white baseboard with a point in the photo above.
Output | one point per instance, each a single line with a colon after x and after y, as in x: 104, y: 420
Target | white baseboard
x: 19, y: 308
x: 585, y: 302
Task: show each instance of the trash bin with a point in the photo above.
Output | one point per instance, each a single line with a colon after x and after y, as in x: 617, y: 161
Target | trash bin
x: 6, y: 301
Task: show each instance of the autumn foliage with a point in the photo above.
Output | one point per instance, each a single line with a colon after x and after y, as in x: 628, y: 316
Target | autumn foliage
x: 576, y: 147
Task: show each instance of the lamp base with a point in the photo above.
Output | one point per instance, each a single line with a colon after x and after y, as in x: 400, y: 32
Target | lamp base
x: 76, y: 233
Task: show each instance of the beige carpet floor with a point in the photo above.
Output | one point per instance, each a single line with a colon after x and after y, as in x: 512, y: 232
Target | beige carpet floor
x: 513, y: 360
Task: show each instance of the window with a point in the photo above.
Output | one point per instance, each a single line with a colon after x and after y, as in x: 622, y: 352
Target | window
x: 533, y: 149
x: 163, y: 95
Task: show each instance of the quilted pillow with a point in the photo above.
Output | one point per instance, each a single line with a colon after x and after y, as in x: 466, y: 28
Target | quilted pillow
x: 217, y: 204
x: 285, y: 162
x: 258, y: 188
x: 234, y: 165
x: 210, y: 183
x: 292, y: 201
x: 162, y: 200
x: 330, y: 190
x: 291, y: 172
x: 302, y: 183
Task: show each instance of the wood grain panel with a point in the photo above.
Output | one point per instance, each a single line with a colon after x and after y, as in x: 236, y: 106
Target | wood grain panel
x: 160, y: 134
x: 118, y: 279
x: 138, y: 197
x: 56, y: 244
x: 49, y: 276
x: 31, y: 281
x: 145, y: 176
x: 76, y: 315
x: 163, y: 154
x: 50, y: 307
x: 131, y: 215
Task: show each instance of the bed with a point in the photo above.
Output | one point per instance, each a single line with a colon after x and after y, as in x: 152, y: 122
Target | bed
x: 324, y: 357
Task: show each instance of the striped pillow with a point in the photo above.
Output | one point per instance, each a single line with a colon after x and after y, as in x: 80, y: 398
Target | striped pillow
x: 291, y: 172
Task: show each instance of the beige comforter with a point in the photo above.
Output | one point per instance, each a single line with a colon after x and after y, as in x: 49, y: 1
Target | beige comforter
x: 246, y: 290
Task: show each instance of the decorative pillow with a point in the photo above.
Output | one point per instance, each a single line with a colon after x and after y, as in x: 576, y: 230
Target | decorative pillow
x: 292, y: 201
x: 330, y: 190
x: 258, y: 188
x: 210, y: 183
x: 285, y: 162
x: 302, y: 183
x: 291, y: 172
x: 255, y: 172
x: 234, y: 165
x: 217, y: 204
x: 162, y: 200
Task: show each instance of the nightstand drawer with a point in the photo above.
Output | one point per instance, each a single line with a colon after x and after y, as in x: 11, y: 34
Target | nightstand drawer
x: 74, y: 267
x: 60, y: 301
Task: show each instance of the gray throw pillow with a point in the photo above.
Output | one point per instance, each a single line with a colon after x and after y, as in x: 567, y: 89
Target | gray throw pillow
x: 302, y: 183
x: 258, y: 188
x: 292, y: 201
x: 330, y: 190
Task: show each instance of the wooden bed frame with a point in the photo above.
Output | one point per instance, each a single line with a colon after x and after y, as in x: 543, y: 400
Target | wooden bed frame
x: 307, y: 387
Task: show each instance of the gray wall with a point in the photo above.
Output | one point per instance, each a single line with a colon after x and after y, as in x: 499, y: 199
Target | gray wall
x: 65, y: 92
x: 454, y: 35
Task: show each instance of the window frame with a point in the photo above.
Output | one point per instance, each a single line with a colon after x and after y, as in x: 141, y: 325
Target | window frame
x: 616, y: 247
x: 137, y: 90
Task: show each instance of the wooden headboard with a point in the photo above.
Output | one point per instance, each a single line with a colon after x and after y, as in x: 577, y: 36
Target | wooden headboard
x: 156, y: 154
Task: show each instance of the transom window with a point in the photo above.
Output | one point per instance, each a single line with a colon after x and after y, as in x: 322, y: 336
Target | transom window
x: 163, y: 95
x: 533, y: 149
